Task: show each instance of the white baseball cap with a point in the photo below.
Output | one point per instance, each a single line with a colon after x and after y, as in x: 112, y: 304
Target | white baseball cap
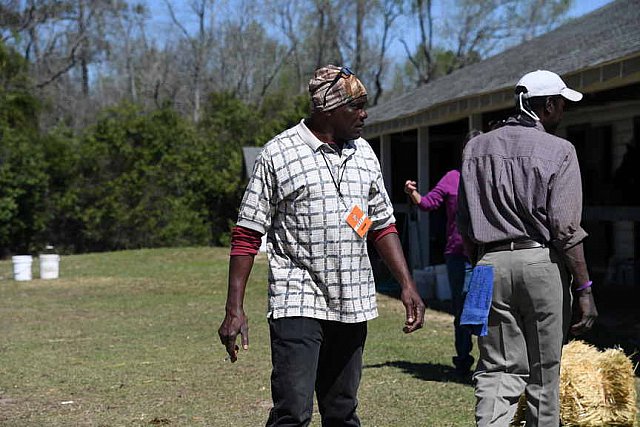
x: 547, y: 83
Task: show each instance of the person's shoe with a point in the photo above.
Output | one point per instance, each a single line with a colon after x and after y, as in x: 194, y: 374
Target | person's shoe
x: 463, y: 364
x: 463, y: 367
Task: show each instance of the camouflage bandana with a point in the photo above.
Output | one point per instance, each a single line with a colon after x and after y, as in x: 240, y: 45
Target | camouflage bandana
x: 332, y: 87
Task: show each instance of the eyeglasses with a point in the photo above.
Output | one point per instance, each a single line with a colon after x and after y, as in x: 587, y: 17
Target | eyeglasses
x: 344, y: 73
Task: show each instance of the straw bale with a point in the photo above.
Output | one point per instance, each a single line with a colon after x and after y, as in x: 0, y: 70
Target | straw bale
x: 581, y: 391
x: 619, y: 388
x: 596, y: 388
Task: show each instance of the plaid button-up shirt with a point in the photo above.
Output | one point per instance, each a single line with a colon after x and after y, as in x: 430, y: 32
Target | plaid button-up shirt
x: 318, y: 265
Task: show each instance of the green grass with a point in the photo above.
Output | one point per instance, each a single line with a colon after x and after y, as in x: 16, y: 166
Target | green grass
x: 129, y: 339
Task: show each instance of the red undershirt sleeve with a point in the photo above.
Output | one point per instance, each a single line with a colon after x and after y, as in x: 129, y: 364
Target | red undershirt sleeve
x: 376, y: 235
x: 245, y: 241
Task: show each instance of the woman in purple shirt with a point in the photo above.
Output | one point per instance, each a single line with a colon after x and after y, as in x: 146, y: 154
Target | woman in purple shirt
x: 446, y: 192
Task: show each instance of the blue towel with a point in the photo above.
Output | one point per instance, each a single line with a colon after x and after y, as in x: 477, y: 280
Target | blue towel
x: 475, y: 313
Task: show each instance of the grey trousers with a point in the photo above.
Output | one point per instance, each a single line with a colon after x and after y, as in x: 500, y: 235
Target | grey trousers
x: 528, y: 322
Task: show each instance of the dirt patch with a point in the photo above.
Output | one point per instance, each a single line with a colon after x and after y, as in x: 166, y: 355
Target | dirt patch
x: 7, y: 401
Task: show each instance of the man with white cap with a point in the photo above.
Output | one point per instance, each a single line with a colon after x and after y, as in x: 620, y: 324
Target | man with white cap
x: 519, y: 212
x: 317, y: 192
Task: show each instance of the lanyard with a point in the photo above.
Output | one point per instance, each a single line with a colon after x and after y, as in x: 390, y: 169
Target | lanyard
x: 339, y: 181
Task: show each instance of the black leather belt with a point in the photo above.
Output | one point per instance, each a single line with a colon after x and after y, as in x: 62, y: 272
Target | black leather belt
x: 513, y: 245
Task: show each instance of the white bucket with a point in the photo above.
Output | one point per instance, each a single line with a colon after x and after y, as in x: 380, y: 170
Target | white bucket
x: 49, y: 266
x: 21, y: 267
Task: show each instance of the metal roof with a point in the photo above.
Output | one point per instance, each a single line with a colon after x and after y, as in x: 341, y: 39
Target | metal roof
x: 249, y: 154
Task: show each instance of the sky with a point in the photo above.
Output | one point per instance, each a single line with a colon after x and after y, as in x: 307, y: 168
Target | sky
x: 582, y: 7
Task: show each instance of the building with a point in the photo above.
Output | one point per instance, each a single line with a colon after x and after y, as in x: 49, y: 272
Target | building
x: 417, y: 136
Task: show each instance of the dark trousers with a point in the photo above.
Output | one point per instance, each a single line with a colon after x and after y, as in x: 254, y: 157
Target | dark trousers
x: 456, y: 266
x: 310, y: 354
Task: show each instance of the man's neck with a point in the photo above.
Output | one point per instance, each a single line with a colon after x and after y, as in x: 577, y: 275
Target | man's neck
x: 336, y: 146
x: 325, y: 135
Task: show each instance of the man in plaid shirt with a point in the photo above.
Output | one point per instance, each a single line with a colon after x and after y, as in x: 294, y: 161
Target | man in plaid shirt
x: 317, y: 193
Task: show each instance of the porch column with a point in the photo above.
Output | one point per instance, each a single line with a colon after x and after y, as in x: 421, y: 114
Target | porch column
x: 385, y: 161
x: 423, y: 186
x: 475, y: 121
x: 623, y: 231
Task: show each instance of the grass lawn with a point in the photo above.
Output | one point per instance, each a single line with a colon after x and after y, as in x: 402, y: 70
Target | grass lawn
x: 129, y: 339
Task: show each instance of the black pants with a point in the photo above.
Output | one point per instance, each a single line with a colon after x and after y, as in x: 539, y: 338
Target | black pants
x: 310, y: 354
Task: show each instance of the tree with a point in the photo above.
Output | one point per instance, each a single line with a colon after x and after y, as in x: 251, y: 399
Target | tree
x: 474, y: 29
x: 421, y: 59
x: 288, y: 16
x: 65, y: 41
x: 249, y: 62
x: 390, y: 10
x: 23, y: 183
x: 483, y: 27
x: 128, y: 37
x: 132, y: 189
x: 139, y: 139
x: 200, y: 44
x: 60, y: 149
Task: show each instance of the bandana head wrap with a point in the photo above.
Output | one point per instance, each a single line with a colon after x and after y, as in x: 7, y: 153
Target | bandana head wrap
x: 332, y: 87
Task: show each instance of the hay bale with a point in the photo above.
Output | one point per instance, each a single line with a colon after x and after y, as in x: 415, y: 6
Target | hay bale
x: 581, y: 391
x: 596, y: 388
x: 619, y: 388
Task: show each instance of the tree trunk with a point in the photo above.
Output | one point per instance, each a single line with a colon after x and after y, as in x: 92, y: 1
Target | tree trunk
x: 360, y: 12
x: 84, y: 51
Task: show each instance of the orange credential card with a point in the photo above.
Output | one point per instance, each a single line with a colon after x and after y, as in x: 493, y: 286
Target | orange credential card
x: 358, y: 221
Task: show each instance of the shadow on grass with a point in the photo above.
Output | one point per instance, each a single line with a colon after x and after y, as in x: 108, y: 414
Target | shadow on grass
x: 426, y: 371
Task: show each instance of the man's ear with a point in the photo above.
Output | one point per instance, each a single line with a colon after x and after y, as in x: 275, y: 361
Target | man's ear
x: 549, y: 104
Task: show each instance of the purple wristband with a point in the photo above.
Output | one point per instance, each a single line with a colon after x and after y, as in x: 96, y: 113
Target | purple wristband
x: 584, y: 286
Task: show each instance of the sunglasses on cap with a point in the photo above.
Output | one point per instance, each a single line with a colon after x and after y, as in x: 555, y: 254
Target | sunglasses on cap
x: 344, y: 73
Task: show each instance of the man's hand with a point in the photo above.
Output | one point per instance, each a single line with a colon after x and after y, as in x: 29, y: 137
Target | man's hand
x: 234, y: 323
x: 414, y: 309
x: 585, y: 313
x: 584, y: 308
x: 390, y: 251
